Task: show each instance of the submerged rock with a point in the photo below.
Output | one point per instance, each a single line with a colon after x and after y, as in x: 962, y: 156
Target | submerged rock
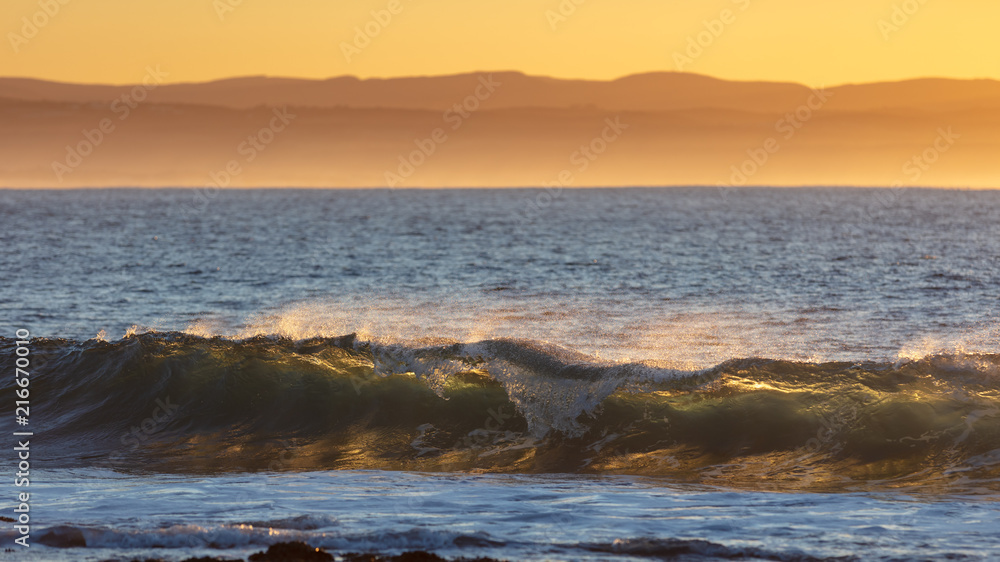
x: 412, y: 556
x: 63, y: 537
x: 292, y: 552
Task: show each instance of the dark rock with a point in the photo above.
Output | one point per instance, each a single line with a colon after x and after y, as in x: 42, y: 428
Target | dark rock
x: 418, y: 556
x: 292, y: 552
x: 63, y: 537
x: 412, y: 556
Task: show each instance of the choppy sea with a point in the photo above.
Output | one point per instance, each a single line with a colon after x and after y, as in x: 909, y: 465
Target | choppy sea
x: 571, y: 374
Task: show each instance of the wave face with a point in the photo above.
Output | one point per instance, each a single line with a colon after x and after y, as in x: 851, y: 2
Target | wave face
x: 173, y: 402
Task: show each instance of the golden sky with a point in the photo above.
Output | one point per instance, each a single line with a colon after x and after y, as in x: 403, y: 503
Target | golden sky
x: 809, y: 41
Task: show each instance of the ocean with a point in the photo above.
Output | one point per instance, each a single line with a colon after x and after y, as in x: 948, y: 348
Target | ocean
x: 521, y: 374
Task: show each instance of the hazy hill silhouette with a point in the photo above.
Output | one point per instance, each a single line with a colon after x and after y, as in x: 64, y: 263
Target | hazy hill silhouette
x: 659, y: 91
x: 681, y: 129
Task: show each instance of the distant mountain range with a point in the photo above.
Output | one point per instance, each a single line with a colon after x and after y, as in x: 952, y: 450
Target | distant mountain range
x: 499, y: 129
x: 659, y: 91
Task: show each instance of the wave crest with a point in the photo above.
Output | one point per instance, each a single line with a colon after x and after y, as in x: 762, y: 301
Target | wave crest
x: 186, y: 403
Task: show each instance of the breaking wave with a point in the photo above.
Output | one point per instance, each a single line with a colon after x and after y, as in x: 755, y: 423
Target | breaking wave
x: 181, y: 403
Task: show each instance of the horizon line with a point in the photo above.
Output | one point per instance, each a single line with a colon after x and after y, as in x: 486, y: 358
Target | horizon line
x: 505, y: 188
x: 480, y: 72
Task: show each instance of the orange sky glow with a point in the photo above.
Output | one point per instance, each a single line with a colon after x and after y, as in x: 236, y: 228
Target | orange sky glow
x: 816, y: 43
